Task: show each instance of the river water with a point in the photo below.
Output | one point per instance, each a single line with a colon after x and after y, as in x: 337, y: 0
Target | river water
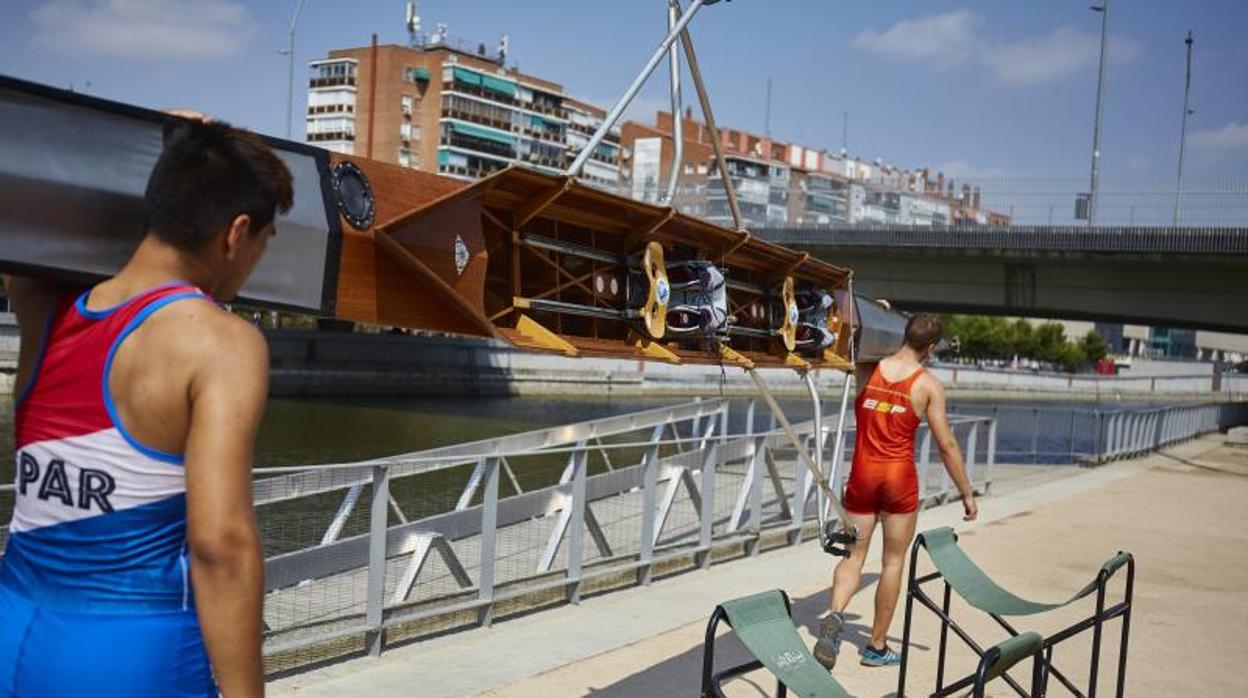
x: 308, y: 430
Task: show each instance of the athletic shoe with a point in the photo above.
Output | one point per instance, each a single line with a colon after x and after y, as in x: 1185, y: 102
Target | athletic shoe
x: 829, y: 642
x: 879, y: 657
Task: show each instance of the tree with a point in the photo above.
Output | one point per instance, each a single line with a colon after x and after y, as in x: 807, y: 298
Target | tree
x: 1022, y: 339
x: 1050, y: 342
x: 1093, y: 346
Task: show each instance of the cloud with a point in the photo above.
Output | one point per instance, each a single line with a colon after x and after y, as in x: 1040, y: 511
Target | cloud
x: 954, y: 38
x: 1064, y: 51
x: 1231, y: 136
x: 172, y: 29
x: 948, y: 39
x: 963, y: 170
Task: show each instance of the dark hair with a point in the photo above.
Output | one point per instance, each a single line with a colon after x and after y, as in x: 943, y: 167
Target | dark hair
x: 208, y: 174
x: 922, y: 331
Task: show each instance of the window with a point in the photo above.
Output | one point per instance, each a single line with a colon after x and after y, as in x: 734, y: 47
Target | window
x: 405, y: 157
x: 405, y: 131
x: 406, y: 102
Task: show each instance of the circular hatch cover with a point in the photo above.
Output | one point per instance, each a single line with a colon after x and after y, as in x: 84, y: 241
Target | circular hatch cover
x: 354, y: 195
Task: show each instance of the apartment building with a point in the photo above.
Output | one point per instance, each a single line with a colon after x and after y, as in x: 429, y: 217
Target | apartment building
x: 780, y: 183
x: 442, y: 108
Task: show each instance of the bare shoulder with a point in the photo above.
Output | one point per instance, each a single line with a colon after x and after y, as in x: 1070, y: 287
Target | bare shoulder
x: 930, y: 383
x: 203, y: 334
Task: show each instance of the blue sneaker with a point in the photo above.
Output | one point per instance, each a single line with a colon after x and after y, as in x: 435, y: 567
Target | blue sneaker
x: 879, y: 657
x: 829, y: 643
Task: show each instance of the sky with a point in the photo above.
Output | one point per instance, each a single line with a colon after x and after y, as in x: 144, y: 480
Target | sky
x: 1001, y: 90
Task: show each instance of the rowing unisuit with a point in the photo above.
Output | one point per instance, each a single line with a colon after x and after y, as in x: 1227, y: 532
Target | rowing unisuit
x: 883, y: 478
x: 97, y: 545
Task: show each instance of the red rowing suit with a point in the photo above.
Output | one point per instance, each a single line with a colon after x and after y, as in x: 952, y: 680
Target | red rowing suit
x: 884, y: 478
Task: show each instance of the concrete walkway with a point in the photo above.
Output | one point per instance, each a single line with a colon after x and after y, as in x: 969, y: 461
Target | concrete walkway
x: 1186, y: 523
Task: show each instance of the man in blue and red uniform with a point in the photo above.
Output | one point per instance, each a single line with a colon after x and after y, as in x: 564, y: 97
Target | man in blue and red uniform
x: 133, y: 566
x: 894, y: 396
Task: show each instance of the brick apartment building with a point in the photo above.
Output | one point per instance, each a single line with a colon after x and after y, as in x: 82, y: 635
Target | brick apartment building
x: 440, y: 108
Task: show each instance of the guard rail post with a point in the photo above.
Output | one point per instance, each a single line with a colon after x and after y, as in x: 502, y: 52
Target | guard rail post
x: 375, y: 599
x: 489, y: 540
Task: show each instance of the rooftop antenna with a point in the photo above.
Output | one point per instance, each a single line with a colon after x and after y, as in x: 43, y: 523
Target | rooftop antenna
x: 844, y: 133
x: 413, y: 23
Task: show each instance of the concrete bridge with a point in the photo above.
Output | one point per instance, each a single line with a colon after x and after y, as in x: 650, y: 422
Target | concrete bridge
x: 1176, y: 277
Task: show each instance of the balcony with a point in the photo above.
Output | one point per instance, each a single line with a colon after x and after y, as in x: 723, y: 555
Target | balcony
x: 465, y: 88
x: 331, y: 136
x: 477, y: 118
x: 544, y: 160
x: 336, y: 81
x: 469, y: 172
x: 479, y: 145
x: 332, y: 109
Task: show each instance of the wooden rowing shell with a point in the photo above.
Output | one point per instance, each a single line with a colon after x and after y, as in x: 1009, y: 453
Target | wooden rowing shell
x: 541, y: 260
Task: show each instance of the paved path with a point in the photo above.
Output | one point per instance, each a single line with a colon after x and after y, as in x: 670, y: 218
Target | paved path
x: 1043, y: 540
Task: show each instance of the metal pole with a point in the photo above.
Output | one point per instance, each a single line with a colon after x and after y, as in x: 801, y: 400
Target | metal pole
x: 290, y: 76
x: 705, y: 102
x: 678, y: 125
x: 1100, y: 104
x: 1187, y: 93
x: 375, y: 597
x: 838, y: 448
x: 618, y: 110
x: 796, y: 441
x: 817, y: 406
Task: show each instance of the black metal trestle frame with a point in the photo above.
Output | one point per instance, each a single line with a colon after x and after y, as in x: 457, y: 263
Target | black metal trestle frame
x: 1044, y: 668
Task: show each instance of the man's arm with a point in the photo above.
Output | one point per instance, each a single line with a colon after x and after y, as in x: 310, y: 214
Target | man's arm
x: 227, y: 395
x: 32, y: 301
x: 862, y: 374
x: 938, y: 422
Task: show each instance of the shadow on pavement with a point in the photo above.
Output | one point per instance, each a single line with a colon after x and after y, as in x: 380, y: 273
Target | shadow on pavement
x: 681, y: 675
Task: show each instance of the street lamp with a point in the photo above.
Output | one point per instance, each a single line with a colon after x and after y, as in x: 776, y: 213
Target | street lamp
x: 1100, y: 110
x: 290, y: 75
x: 1187, y: 111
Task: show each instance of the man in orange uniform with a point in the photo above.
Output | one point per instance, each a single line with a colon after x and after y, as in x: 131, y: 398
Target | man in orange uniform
x: 893, y: 398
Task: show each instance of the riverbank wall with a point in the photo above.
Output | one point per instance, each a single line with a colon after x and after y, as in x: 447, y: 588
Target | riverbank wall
x: 342, y: 364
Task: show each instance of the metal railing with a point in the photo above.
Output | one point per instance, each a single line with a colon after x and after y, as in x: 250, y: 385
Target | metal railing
x: 669, y: 489
x: 1149, y: 240
x: 1088, y: 435
x: 417, y: 543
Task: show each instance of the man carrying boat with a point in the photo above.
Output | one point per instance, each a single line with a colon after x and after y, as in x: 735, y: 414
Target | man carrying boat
x: 133, y: 565
x: 894, y: 396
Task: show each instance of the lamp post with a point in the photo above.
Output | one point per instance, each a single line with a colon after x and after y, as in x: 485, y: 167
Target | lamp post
x: 1187, y: 93
x: 1100, y: 110
x: 290, y: 71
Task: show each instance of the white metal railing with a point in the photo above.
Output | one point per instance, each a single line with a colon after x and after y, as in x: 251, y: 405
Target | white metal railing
x: 357, y: 550
x: 674, y: 483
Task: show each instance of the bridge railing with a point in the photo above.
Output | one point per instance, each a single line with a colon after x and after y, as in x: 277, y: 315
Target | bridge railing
x: 1155, y: 240
x: 1229, y: 385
